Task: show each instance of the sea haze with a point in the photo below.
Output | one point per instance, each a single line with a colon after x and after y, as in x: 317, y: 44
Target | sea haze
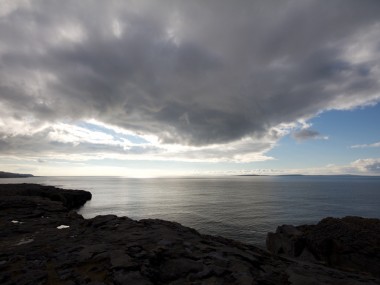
x: 242, y: 208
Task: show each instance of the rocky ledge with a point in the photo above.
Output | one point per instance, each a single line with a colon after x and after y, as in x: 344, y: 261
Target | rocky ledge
x: 350, y: 243
x: 43, y: 241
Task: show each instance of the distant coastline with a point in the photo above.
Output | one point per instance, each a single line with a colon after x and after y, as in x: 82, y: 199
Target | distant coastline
x: 317, y: 175
x: 272, y: 175
x: 14, y: 175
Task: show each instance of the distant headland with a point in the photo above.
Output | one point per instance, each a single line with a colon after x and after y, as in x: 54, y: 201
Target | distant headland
x: 14, y: 175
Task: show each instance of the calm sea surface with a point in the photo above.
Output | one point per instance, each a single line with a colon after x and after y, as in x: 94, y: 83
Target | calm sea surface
x: 242, y: 208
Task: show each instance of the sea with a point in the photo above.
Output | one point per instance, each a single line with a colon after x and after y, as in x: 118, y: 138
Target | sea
x: 243, y: 208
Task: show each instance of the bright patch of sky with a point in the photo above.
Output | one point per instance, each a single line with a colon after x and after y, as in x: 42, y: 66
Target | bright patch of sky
x: 345, y: 130
x: 118, y: 136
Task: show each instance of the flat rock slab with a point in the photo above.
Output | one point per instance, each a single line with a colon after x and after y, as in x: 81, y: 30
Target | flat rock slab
x: 119, y: 250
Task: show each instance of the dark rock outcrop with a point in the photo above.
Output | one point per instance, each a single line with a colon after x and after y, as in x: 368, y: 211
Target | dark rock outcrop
x: 13, y: 175
x: 69, y: 198
x: 43, y: 242
x: 350, y: 243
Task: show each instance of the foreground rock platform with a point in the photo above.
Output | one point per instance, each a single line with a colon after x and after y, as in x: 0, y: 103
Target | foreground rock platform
x: 43, y: 241
x: 349, y: 243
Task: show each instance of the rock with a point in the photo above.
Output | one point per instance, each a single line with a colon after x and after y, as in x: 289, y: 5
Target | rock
x: 130, y: 277
x: 118, y: 250
x: 287, y: 240
x: 13, y: 175
x: 176, y: 268
x: 119, y: 259
x: 349, y: 243
x: 69, y: 198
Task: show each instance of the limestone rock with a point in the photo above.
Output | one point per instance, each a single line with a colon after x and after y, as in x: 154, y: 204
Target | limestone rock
x: 349, y: 243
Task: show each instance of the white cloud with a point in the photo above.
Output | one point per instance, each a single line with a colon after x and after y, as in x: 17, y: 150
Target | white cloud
x: 65, y: 133
x: 79, y: 143
x: 377, y: 144
x: 368, y: 166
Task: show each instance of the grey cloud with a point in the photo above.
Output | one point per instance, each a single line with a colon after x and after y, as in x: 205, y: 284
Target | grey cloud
x: 307, y: 134
x: 235, y: 69
x: 39, y: 144
x: 373, y: 168
x: 43, y: 146
x: 367, y: 165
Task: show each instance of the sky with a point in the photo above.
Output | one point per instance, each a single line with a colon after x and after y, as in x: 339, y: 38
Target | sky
x: 146, y: 88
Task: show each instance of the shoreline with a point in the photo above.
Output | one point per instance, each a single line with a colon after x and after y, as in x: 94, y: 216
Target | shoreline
x: 45, y: 241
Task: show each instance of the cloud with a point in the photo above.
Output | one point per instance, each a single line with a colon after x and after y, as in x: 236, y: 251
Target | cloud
x: 377, y: 144
x: 366, y: 167
x: 369, y: 165
x: 85, y: 142
x: 374, y: 167
x: 199, y: 74
x: 307, y: 134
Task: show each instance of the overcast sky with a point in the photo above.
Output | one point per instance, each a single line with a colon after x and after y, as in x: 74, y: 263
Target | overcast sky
x: 147, y: 87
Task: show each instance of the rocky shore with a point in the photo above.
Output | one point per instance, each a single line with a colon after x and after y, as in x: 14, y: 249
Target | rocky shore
x: 350, y: 243
x: 44, y: 241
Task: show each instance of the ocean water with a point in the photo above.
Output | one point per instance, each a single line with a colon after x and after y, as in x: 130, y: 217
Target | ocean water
x: 237, y: 207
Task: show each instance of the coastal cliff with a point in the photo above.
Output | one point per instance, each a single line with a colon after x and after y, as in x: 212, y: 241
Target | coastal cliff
x: 44, y: 241
x: 13, y: 175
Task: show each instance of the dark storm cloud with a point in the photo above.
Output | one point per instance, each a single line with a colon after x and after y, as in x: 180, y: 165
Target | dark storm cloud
x: 189, y: 72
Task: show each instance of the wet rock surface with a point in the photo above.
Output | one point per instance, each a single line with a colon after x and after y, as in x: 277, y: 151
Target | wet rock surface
x: 43, y: 241
x: 349, y: 243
